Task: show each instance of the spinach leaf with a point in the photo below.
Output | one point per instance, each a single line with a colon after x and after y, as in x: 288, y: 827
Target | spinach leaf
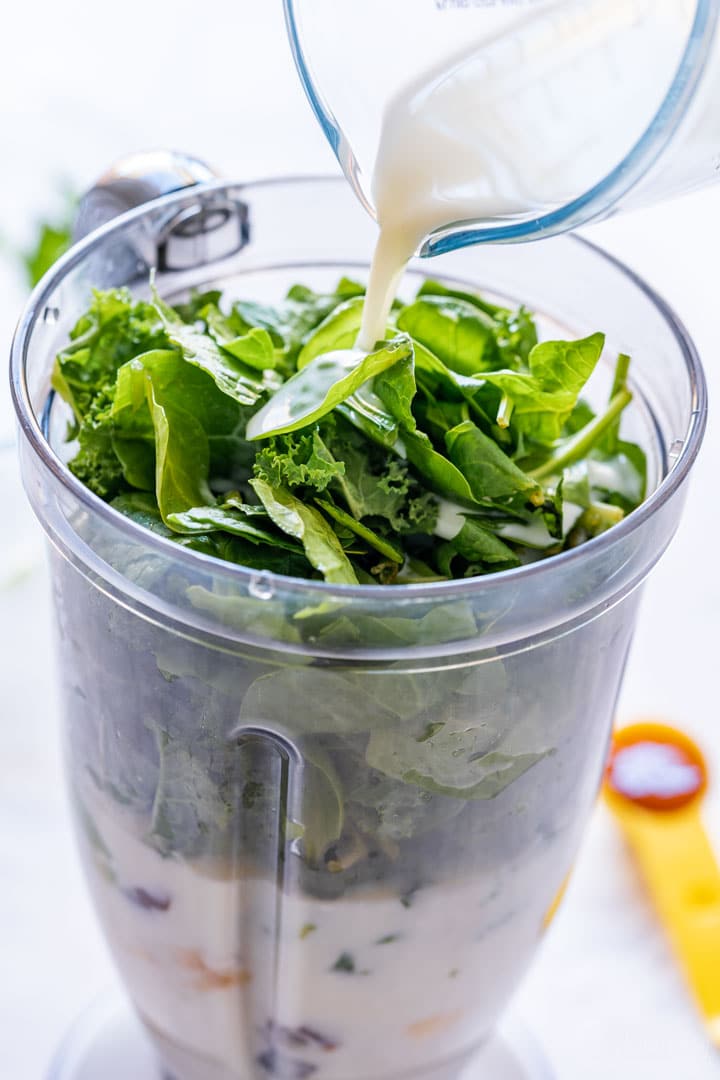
x: 189, y: 805
x: 581, y: 415
x: 200, y: 350
x: 320, y: 386
x: 396, y: 389
x: 145, y: 403
x: 254, y: 347
x: 193, y: 308
x: 136, y: 455
x: 482, y: 550
x: 430, y: 287
x: 208, y: 519
x: 488, y: 777
x: 368, y: 414
x: 141, y: 507
x: 159, y: 396
x: 543, y: 397
x: 489, y: 472
x: 339, y: 330
x: 515, y: 331
x: 442, y: 379
x: 460, y: 763
x: 323, y: 804
x: 565, y: 365
x: 191, y: 390
x: 310, y: 700
x: 445, y: 622
x: 182, y: 456
x: 456, y: 331
x: 292, y: 321
x: 437, y: 471
x: 395, y: 810
x: 322, y: 547
x: 257, y: 618
x: 345, y: 288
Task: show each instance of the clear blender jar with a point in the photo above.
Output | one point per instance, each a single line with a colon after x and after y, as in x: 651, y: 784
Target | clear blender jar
x: 565, y: 110
x: 325, y: 827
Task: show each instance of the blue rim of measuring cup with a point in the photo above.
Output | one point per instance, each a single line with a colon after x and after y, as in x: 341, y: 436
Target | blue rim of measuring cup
x: 598, y: 200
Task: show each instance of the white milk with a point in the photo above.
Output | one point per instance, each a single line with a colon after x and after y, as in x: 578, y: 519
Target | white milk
x: 518, y: 124
x: 201, y: 968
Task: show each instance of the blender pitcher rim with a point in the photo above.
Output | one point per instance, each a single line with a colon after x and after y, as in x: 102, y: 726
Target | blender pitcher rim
x: 31, y: 428
x: 592, y: 204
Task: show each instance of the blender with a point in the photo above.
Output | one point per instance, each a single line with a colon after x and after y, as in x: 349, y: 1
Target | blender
x: 264, y: 770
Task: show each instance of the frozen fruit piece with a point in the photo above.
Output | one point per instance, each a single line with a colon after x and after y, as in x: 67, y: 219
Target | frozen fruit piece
x: 150, y: 901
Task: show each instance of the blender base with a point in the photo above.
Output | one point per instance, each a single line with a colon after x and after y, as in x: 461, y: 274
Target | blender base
x: 108, y: 1043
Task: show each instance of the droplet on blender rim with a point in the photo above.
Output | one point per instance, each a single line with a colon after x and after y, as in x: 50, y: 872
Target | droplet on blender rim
x: 675, y: 451
x: 261, y: 586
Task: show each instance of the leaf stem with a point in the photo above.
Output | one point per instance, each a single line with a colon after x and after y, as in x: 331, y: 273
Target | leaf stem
x: 505, y: 411
x: 619, y: 383
x: 579, y: 445
x: 621, y: 373
x: 378, y: 542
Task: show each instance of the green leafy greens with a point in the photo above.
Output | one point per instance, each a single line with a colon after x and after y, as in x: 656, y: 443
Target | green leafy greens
x: 459, y: 446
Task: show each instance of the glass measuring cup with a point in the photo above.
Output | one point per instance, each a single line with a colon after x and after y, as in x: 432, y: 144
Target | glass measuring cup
x: 562, y: 111
x: 281, y: 896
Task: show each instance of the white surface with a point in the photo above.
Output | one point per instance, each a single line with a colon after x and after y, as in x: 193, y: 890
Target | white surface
x: 605, y: 996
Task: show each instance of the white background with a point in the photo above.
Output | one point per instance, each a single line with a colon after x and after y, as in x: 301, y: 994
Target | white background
x: 82, y: 84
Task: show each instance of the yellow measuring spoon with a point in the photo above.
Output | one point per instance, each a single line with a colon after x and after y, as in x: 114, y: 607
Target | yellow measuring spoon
x: 655, y: 780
